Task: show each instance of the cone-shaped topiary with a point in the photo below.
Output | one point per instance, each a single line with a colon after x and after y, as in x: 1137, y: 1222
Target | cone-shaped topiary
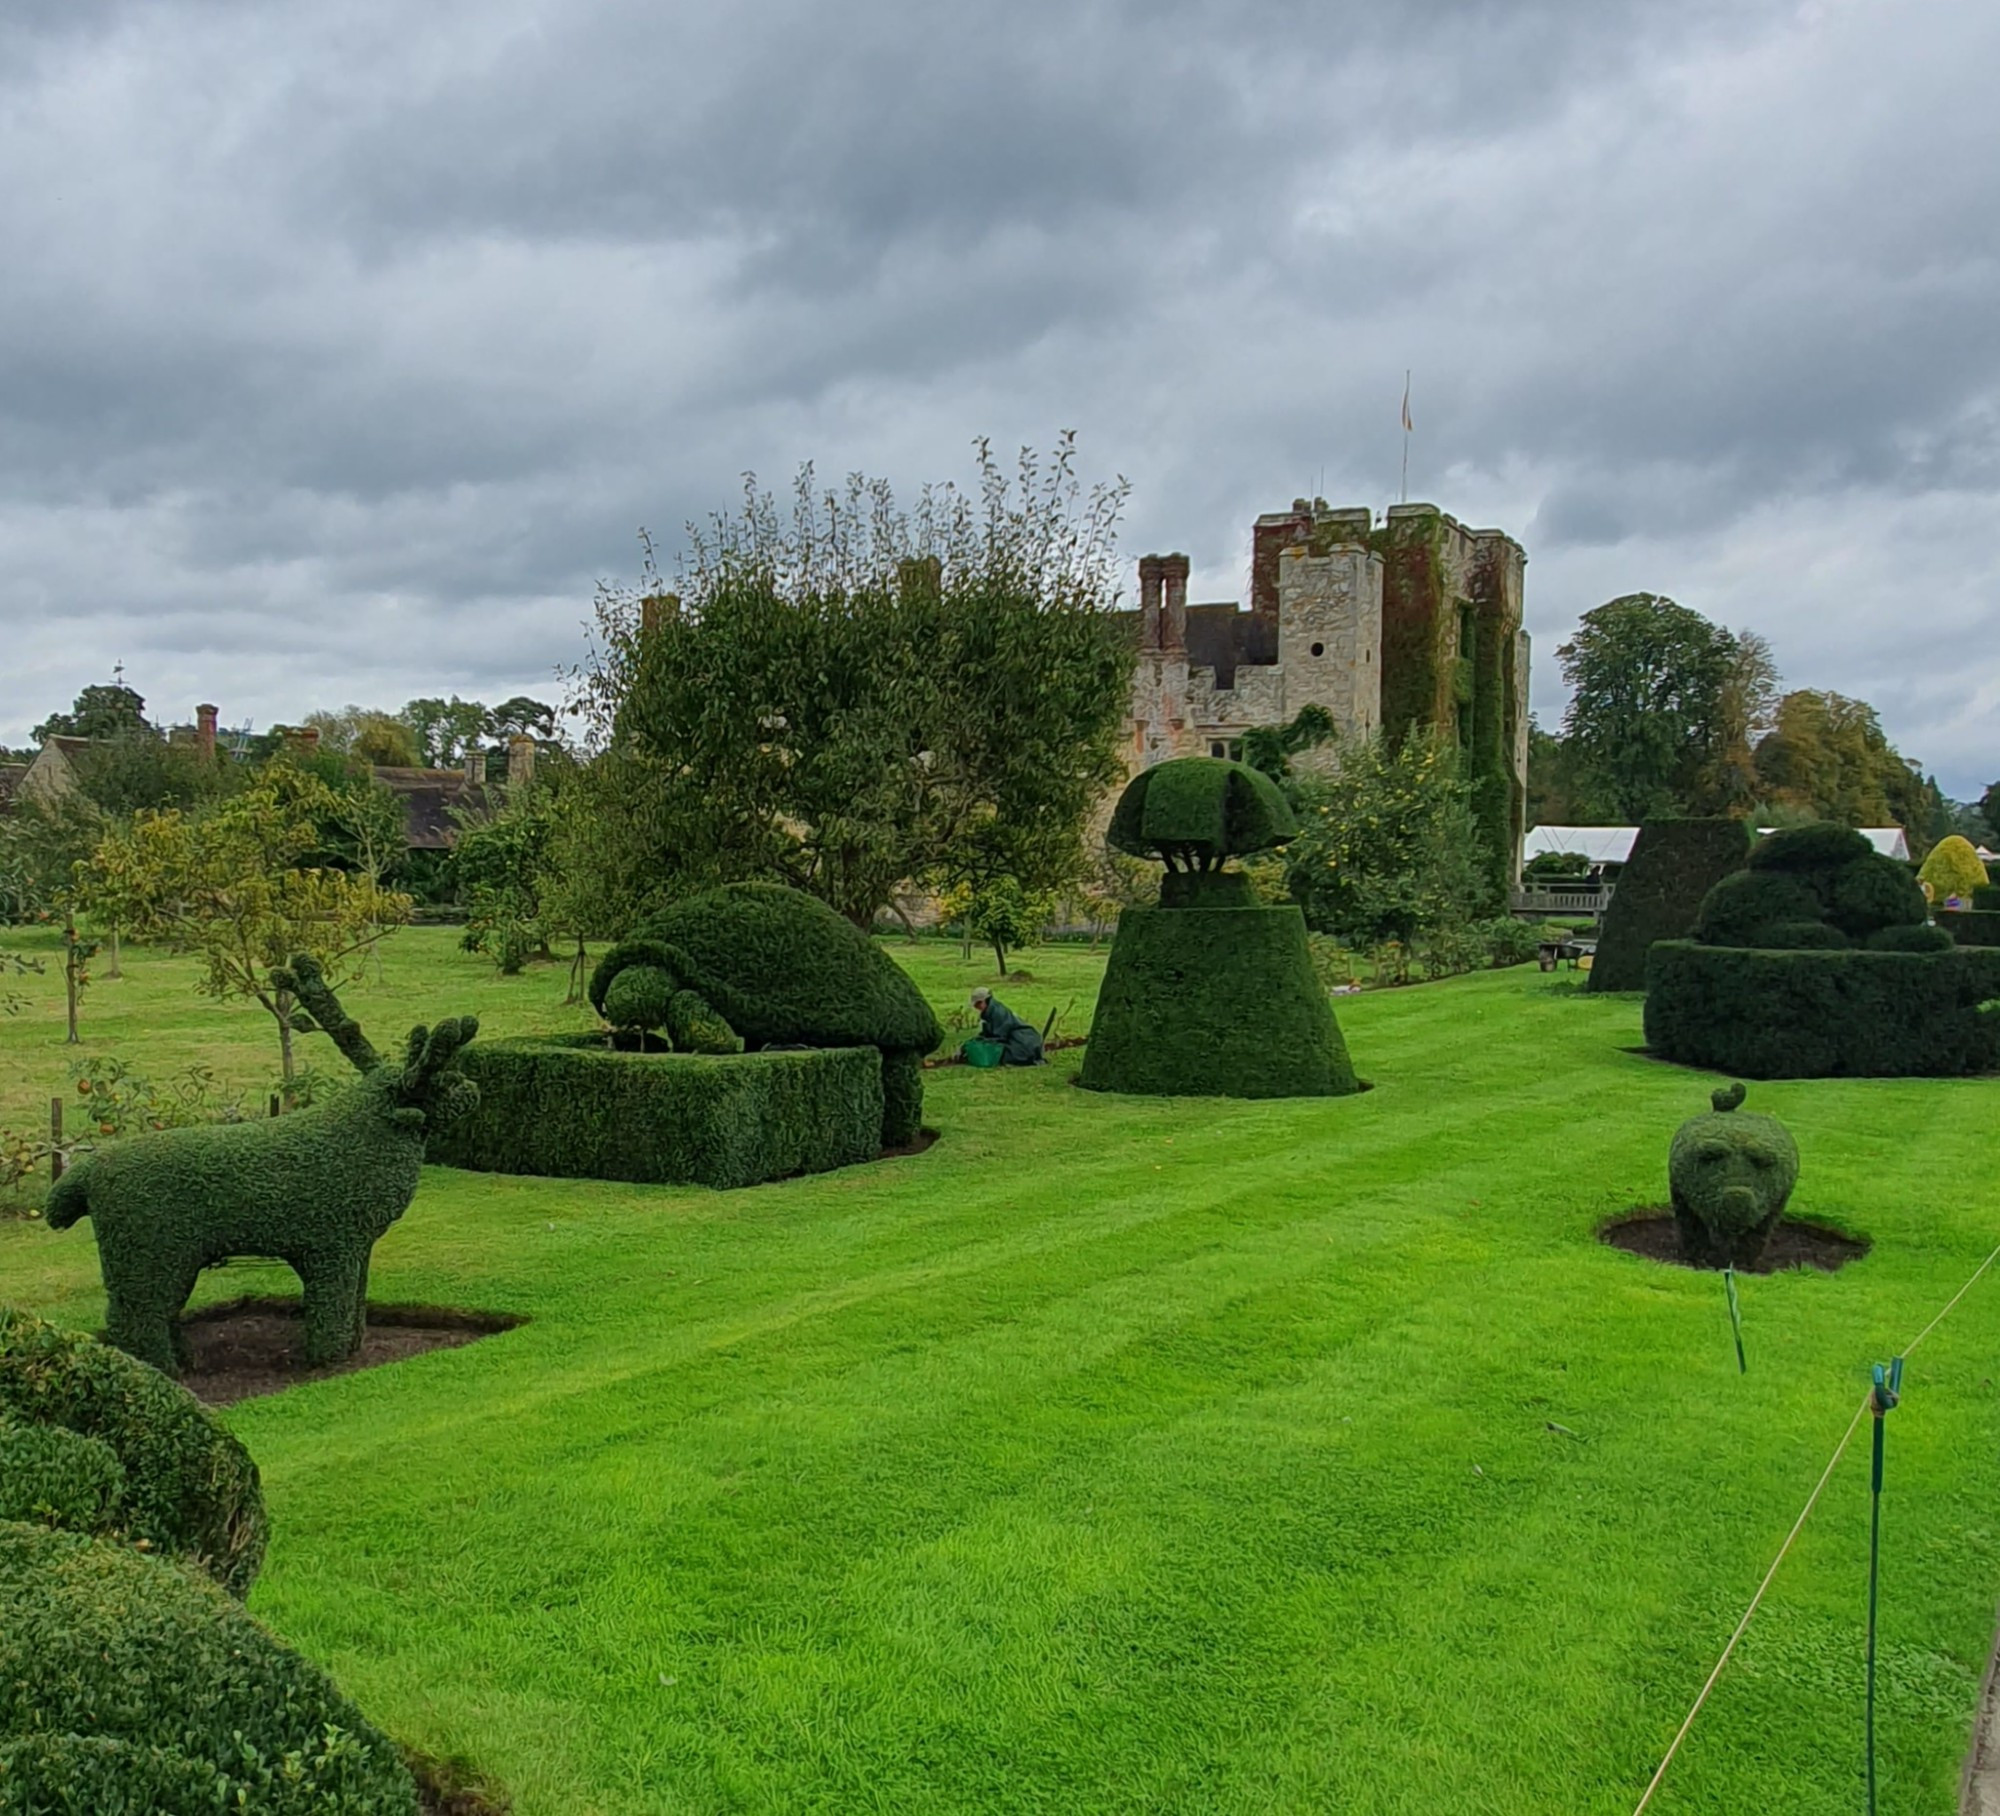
x: 1953, y: 870
x: 132, y: 1687
x: 1210, y: 994
x: 315, y: 1189
x: 1673, y: 866
x: 756, y: 965
x: 93, y: 1441
x: 1730, y: 1176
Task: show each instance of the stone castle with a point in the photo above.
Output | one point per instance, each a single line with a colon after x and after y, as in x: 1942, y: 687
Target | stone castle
x: 1410, y: 623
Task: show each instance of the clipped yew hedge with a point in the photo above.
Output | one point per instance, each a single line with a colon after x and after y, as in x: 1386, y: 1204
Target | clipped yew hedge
x: 1214, y: 1002
x: 1971, y: 926
x: 1823, y: 1013
x: 130, y: 1686
x: 573, y: 1107
x: 1674, y: 864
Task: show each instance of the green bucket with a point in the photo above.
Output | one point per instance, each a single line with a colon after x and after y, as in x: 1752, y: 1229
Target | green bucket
x: 982, y: 1053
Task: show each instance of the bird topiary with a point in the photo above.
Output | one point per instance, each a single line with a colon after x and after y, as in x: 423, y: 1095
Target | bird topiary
x: 754, y: 965
x: 1730, y: 1176
x: 315, y: 1189
x: 130, y: 1686
x: 93, y: 1441
x: 1210, y: 994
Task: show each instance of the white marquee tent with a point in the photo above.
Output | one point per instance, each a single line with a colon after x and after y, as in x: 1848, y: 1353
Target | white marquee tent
x: 1613, y: 844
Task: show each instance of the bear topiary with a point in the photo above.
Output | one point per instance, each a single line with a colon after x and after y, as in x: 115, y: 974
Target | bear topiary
x: 1730, y: 1176
x: 1209, y: 993
x: 130, y: 1686
x: 315, y: 1189
x: 755, y: 965
x: 96, y: 1442
x: 1674, y: 864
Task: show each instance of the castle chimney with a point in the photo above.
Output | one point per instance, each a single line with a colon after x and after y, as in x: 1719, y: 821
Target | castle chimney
x: 1173, y: 609
x: 308, y: 738
x: 1149, y: 601
x: 475, y: 766
x: 204, y: 731
x: 520, y: 760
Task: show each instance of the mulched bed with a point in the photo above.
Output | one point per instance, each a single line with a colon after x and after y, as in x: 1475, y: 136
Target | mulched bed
x: 255, y: 1346
x: 1650, y: 1231
x: 450, y: 1787
x: 925, y: 1141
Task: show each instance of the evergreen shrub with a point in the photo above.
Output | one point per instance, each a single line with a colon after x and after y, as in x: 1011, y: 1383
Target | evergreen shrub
x: 129, y: 1684
x: 571, y: 1107
x: 779, y: 968
x: 1952, y: 868
x: 315, y: 1189
x: 1730, y: 1176
x: 1970, y: 926
x: 1762, y: 1013
x: 184, y: 1483
x: 1211, y: 1002
x: 1987, y: 899
x: 1674, y: 864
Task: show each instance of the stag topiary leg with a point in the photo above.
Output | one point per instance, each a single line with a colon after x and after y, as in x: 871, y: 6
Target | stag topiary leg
x: 333, y: 1287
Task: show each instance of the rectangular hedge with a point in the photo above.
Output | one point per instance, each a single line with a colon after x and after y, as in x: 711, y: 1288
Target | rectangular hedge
x: 1971, y: 926
x: 1823, y: 1014
x: 569, y: 1107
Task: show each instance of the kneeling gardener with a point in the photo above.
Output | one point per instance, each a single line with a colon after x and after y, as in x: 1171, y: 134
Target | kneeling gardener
x: 1019, y: 1044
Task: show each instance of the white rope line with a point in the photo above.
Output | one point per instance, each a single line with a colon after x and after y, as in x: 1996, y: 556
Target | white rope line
x: 1812, y: 1500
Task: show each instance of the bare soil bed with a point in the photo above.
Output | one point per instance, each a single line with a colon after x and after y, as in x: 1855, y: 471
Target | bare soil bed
x: 1650, y: 1231
x: 255, y: 1346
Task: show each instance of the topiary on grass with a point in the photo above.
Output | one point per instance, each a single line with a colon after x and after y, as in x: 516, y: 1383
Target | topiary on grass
x: 767, y: 966
x: 1674, y: 864
x: 315, y: 1189
x: 1816, y: 962
x: 1953, y: 869
x: 129, y: 1684
x: 568, y: 1106
x: 179, y: 1481
x: 1730, y: 1176
x: 1209, y: 994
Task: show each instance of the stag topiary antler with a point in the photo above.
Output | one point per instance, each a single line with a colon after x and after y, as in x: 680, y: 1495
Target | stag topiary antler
x: 303, y: 980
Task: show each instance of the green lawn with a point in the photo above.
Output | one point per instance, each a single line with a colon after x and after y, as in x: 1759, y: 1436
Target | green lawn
x: 1120, y: 1455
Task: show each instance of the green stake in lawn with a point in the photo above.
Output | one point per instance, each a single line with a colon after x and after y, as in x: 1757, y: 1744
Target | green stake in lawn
x: 1211, y: 993
x: 1735, y: 1317
x: 1883, y: 1400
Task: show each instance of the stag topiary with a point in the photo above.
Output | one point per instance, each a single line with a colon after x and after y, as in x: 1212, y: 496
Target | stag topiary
x: 315, y: 1189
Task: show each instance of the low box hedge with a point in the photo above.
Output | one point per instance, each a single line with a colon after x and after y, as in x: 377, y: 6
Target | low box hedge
x: 1971, y: 926
x: 1816, y: 1013
x: 1987, y: 896
x: 571, y: 1107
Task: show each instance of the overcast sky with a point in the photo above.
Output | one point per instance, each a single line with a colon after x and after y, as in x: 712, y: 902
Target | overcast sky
x: 347, y: 346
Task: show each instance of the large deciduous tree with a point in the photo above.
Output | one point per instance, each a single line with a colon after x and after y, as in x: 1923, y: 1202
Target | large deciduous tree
x: 241, y: 888
x: 1663, y: 708
x: 852, y: 697
x: 1828, y: 756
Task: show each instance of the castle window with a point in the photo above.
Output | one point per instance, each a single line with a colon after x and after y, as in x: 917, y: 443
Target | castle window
x: 1232, y: 748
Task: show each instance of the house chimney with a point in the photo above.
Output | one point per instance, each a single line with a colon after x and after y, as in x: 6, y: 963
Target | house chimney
x: 1173, y: 608
x: 1149, y: 601
x: 204, y: 731
x: 655, y: 609
x: 520, y: 760
x: 475, y: 766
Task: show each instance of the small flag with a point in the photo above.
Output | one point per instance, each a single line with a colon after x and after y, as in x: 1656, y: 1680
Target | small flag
x: 1408, y: 425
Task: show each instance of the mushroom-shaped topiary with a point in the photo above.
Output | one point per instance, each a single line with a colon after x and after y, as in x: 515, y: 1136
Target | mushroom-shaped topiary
x: 1210, y: 994
x: 1193, y: 814
x: 1730, y: 1176
x: 758, y: 965
x: 1953, y: 870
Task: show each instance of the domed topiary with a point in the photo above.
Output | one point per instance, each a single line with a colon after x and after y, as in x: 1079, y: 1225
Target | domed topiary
x: 770, y: 966
x: 1210, y: 994
x: 1953, y: 870
x: 1730, y: 1176
x: 178, y: 1480
x: 130, y: 1686
x: 1810, y: 886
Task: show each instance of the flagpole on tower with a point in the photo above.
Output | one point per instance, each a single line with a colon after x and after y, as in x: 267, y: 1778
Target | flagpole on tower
x: 1407, y: 426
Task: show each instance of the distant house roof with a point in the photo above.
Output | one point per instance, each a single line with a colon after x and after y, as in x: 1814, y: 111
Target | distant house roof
x: 1613, y: 844
x: 428, y: 796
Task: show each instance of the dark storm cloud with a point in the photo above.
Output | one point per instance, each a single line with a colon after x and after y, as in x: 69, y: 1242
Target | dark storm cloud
x: 349, y: 344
